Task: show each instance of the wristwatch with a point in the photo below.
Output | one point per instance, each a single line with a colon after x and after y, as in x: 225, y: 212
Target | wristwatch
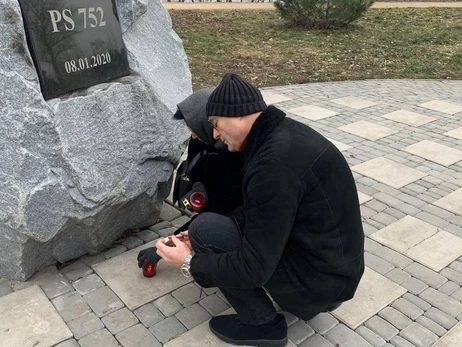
x: 186, y: 265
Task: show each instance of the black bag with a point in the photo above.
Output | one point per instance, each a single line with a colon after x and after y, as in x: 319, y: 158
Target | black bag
x: 190, y: 172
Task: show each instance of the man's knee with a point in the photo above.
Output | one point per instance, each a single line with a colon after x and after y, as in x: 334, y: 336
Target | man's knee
x: 200, y: 224
x: 198, y: 230
x: 212, y: 232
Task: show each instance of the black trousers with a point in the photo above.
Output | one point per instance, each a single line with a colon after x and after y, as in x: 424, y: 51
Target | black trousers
x: 215, y: 233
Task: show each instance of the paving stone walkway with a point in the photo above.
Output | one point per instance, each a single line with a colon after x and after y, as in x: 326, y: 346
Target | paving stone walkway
x: 403, y: 141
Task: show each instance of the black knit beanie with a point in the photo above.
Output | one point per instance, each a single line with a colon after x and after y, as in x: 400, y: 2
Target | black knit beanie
x: 234, y: 97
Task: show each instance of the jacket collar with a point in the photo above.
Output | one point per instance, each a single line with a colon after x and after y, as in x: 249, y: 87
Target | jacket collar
x: 263, y: 126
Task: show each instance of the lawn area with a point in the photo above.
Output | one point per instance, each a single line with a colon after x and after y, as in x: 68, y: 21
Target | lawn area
x: 262, y: 47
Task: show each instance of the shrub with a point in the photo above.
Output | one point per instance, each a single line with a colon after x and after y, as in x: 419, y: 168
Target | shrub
x: 322, y: 14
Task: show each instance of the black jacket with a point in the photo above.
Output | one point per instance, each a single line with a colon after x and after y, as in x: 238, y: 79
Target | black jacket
x: 303, y: 238
x: 221, y: 173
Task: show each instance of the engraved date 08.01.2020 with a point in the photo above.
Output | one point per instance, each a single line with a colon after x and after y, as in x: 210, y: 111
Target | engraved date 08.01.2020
x: 80, y: 64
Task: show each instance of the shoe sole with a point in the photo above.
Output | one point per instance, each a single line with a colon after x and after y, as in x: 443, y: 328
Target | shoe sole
x: 258, y: 343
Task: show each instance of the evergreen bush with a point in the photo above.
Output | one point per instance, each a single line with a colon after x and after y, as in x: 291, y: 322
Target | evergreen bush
x: 322, y: 14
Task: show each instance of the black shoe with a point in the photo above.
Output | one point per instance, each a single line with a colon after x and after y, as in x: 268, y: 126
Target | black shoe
x: 230, y: 329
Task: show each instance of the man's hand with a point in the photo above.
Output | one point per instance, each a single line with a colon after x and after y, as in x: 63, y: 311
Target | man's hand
x: 174, y: 256
x: 184, y: 237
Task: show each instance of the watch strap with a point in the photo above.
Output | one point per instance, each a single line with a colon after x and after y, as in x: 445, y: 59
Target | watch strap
x: 186, y: 266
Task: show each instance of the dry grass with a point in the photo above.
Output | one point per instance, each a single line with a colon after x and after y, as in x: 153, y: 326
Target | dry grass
x: 261, y: 46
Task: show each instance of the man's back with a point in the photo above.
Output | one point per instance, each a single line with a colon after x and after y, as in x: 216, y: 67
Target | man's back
x: 323, y: 258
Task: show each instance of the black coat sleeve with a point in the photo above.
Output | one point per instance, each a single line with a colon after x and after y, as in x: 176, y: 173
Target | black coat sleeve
x: 273, y: 193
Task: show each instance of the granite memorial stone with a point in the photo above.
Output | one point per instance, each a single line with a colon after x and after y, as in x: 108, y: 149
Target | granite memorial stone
x: 80, y: 169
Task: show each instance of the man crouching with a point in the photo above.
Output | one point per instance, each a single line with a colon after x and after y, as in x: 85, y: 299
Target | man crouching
x: 298, y: 236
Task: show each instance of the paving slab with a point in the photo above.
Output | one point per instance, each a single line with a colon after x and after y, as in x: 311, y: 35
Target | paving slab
x: 442, y: 106
x: 452, y: 338
x: 368, y: 130
x: 68, y: 343
x: 456, y: 133
x: 76, y: 270
x: 340, y: 145
x: 178, y: 222
x: 431, y: 325
x: 370, y: 336
x: 322, y: 322
x: 299, y: 332
x: 137, y: 336
x: 438, y: 251
x: 85, y: 325
x: 418, y: 335
x: 188, y: 294
x: 119, y: 320
x: 200, y: 336
x: 54, y: 285
x: 404, y: 233
x: 312, y: 112
x: 30, y: 308
x: 435, y: 152
x: 395, y: 317
x: 192, y: 316
x: 442, y: 302
x: 455, y: 278
x: 443, y: 319
x: 213, y: 304
x: 161, y: 225
x: 168, y: 212
x: 128, y: 282
x: 397, y: 259
x: 398, y: 341
x: 103, y: 301
x: 451, y: 202
x: 382, y: 328
x: 273, y: 98
x: 408, y: 308
x: 88, y: 283
x: 373, y: 294
x: 410, y: 118
x: 315, y: 340
x: 290, y: 318
x: 168, y: 305
x: 168, y: 329
x: 425, y: 275
x: 398, y: 276
x: 377, y: 264
x: 363, y: 198
x: 148, y: 315
x: 340, y: 335
x: 98, y: 338
x: 389, y: 172
x: 70, y: 306
x: 354, y: 102
x: 421, y: 241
